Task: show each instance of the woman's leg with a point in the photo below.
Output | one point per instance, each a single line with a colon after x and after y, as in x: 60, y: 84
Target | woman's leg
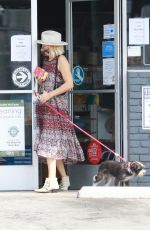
x: 51, y: 164
x: 61, y: 168
x: 65, y: 182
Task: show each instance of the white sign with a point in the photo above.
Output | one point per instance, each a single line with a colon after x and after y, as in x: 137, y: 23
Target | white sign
x: 134, y: 51
x: 146, y: 107
x: 138, y: 31
x: 109, y: 71
x: 108, y: 31
x: 12, y: 135
x: 21, y: 48
x: 21, y: 77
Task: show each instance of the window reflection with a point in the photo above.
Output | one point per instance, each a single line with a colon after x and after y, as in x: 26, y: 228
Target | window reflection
x: 15, y: 19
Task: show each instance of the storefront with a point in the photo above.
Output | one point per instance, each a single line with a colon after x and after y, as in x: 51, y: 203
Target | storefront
x: 109, y: 54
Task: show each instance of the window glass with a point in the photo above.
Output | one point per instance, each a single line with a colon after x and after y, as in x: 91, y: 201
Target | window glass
x: 90, y: 46
x: 138, y: 14
x: 93, y: 55
x: 94, y: 113
x: 15, y: 48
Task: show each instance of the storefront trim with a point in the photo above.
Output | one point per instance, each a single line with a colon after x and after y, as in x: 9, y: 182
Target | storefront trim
x: 118, y: 138
x: 124, y: 75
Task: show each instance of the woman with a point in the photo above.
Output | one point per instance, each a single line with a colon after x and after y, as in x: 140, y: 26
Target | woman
x: 55, y: 138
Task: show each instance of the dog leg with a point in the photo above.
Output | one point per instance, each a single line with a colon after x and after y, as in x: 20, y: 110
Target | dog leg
x: 116, y: 182
x: 108, y: 180
x: 99, y: 182
x: 126, y: 183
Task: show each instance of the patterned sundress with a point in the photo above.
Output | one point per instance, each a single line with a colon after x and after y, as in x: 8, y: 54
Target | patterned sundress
x: 55, y: 137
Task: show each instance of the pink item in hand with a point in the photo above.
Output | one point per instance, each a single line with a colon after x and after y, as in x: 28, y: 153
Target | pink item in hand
x: 40, y: 73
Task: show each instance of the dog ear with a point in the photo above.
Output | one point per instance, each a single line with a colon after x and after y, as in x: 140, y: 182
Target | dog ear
x: 140, y: 164
x: 134, y: 166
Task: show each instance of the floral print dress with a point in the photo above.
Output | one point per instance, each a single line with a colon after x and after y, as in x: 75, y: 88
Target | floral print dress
x: 55, y: 137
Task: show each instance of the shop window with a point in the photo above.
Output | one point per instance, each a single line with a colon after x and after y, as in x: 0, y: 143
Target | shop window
x: 95, y: 114
x: 138, y: 22
x: 90, y: 46
x: 15, y: 49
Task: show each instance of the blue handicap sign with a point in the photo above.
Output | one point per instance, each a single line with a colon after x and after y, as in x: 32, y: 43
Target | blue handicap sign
x: 78, y: 75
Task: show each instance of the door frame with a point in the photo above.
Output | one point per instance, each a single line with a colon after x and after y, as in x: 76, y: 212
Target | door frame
x: 118, y: 83
x: 124, y: 78
x: 23, y: 177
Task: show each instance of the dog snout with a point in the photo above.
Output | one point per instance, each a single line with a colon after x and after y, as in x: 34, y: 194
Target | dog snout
x: 142, y: 172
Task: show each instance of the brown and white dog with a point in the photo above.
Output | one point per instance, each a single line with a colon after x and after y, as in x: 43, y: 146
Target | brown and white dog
x: 119, y: 171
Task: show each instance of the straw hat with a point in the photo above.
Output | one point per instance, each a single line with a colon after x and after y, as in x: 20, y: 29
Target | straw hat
x: 51, y: 37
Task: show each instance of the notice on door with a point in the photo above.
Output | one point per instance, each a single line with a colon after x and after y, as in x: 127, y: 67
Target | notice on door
x: 139, y: 31
x: 108, y: 31
x: 12, y: 135
x: 146, y: 107
x: 108, y: 49
x: 21, y: 48
x: 134, y: 51
x: 108, y: 71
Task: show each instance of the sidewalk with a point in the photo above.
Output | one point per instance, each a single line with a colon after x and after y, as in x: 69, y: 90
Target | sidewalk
x: 64, y: 211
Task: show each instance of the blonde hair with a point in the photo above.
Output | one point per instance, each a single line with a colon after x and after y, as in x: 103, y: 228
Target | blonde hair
x: 55, y: 51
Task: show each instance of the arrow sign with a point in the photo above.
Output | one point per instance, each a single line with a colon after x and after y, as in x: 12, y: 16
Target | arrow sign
x: 21, y: 75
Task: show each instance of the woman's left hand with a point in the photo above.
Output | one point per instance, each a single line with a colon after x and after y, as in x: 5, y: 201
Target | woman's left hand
x: 44, y: 97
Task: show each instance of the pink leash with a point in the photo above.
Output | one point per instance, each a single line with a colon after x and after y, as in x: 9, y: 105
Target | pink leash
x: 82, y: 130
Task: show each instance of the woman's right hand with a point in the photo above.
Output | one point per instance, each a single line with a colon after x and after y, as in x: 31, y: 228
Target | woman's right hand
x: 39, y: 81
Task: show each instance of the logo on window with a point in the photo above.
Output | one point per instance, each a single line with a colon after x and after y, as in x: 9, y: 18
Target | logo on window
x: 13, y: 131
x: 21, y: 77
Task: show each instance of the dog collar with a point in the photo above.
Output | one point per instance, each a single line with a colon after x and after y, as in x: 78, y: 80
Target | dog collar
x: 128, y: 166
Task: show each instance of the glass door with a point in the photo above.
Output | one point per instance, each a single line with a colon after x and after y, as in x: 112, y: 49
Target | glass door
x: 18, y: 164
x: 94, y: 54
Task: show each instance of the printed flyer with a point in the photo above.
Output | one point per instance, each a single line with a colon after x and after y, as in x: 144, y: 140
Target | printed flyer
x: 12, y: 135
x: 146, y: 107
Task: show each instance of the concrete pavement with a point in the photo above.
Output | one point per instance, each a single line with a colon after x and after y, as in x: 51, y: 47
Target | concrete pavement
x: 64, y: 211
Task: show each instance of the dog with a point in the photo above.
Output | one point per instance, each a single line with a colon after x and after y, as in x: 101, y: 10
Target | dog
x: 117, y: 171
